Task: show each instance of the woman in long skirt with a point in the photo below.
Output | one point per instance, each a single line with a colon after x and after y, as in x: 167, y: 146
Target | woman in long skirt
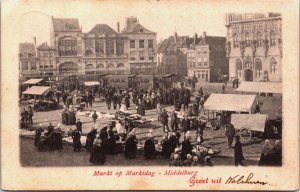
x: 131, y: 146
x: 97, y: 156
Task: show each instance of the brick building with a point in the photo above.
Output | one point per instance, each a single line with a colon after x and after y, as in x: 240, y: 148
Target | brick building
x: 206, y: 59
x: 254, y: 46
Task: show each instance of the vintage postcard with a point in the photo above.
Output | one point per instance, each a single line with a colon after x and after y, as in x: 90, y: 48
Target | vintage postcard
x: 152, y: 94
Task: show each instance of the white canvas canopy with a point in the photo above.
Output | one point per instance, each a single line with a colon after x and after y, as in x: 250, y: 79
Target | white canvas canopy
x: 254, y: 122
x: 32, y: 81
x: 260, y: 87
x: 231, y: 102
x: 37, y: 90
x: 91, y: 83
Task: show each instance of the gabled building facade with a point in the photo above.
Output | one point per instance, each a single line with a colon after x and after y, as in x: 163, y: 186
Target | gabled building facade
x: 171, y: 55
x: 141, y: 46
x: 206, y: 59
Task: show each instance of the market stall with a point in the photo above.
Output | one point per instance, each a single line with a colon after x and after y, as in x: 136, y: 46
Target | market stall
x: 260, y: 87
x: 42, y: 97
x: 231, y: 102
x: 249, y: 125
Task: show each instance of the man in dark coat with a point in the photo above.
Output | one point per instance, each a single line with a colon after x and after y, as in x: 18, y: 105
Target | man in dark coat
x: 97, y: 156
x: 229, y: 133
x: 186, y: 124
x: 164, y: 121
x: 149, y: 147
x: 277, y: 154
x: 174, y: 124
x: 238, y: 152
x: 64, y: 97
x: 76, y: 141
x: 79, y: 126
x: 172, y: 144
x: 186, y: 148
x: 91, y: 136
x: 266, y: 157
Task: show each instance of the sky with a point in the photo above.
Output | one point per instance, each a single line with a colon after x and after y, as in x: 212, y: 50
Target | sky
x: 33, y: 19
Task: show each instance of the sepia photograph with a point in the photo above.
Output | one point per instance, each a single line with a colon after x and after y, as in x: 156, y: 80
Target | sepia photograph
x: 179, y: 85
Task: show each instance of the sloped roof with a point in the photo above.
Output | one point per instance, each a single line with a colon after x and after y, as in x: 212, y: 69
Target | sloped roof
x: 26, y: 48
x: 44, y: 46
x: 169, y: 45
x: 136, y: 28
x: 211, y: 40
x: 102, y: 29
x: 65, y: 24
x: 162, y: 47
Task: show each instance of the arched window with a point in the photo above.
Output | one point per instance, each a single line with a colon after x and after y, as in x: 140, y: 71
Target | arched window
x: 247, y: 39
x: 259, y: 39
x: 272, y: 38
x: 258, y: 68
x: 100, y: 65
x: 67, y: 46
x: 235, y: 40
x: 120, y: 65
x: 273, y: 66
x: 239, y: 67
x: 110, y: 65
x: 89, y: 66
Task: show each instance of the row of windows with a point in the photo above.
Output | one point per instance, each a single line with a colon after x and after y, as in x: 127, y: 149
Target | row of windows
x: 259, y: 39
x: 26, y: 65
x: 100, y: 65
x: 45, y: 54
x: 141, y: 44
x: 202, y: 75
x: 193, y: 64
x: 140, y: 56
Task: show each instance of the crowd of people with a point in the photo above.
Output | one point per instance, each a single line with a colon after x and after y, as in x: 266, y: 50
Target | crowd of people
x: 121, y: 137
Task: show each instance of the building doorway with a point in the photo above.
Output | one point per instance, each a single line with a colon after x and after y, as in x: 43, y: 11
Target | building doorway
x: 248, y: 75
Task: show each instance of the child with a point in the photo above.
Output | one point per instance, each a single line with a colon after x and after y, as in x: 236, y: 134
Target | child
x: 94, y: 116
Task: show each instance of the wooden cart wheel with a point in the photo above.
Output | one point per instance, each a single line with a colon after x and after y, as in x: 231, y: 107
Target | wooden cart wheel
x: 245, y: 134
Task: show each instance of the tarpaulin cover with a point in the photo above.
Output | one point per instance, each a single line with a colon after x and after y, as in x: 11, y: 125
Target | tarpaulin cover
x: 254, y: 122
x: 91, y: 83
x: 260, y: 87
x: 37, y: 90
x: 32, y: 81
x: 231, y: 102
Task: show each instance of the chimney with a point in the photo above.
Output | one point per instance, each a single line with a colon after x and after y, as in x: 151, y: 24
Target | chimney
x: 204, y: 34
x: 195, y: 38
x: 176, y: 37
x: 118, y: 27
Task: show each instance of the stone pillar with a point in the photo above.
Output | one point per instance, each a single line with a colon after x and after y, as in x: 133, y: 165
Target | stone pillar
x: 115, y: 47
